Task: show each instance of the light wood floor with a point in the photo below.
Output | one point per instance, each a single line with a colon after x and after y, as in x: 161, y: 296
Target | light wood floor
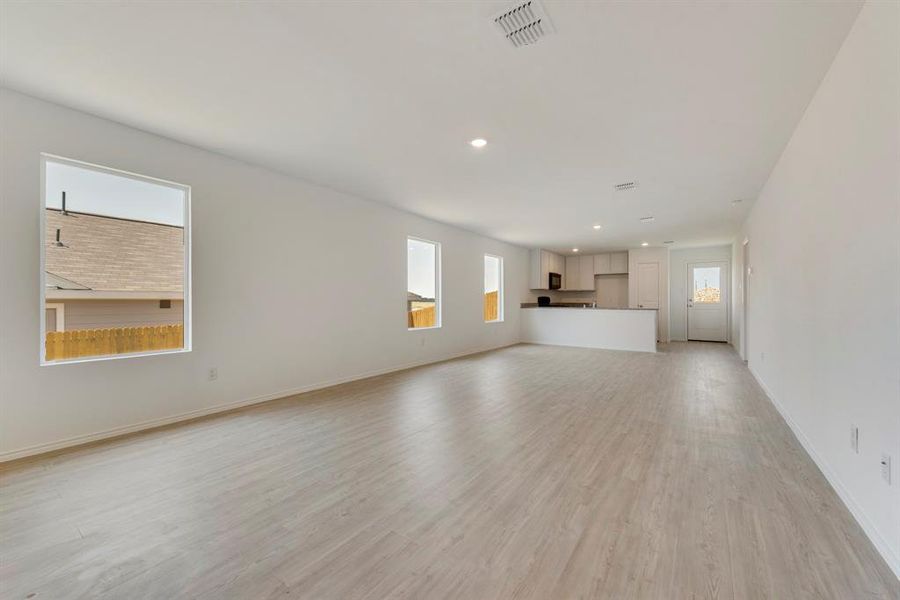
x: 529, y: 472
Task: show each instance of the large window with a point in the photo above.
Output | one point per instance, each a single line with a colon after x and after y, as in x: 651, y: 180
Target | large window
x: 493, y: 288
x: 423, y: 284
x: 115, y: 259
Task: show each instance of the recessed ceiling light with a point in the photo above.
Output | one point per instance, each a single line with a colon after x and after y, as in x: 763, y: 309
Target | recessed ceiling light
x: 574, y: 249
x: 647, y: 219
x: 598, y: 226
x: 479, y: 143
x: 645, y: 243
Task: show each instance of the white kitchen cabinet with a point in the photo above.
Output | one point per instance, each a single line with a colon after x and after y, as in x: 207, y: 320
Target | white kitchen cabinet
x: 558, y: 265
x: 579, y: 273
x: 544, y: 262
x: 618, y: 262
x: 573, y: 264
x: 586, y: 273
x: 611, y: 263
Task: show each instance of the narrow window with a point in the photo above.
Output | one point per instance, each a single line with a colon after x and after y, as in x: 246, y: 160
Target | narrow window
x: 115, y: 249
x: 423, y: 284
x: 493, y: 288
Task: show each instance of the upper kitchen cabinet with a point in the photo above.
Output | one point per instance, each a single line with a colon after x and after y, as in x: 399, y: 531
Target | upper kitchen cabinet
x: 611, y: 263
x: 579, y: 273
x: 618, y: 262
x: 544, y: 262
x: 601, y: 264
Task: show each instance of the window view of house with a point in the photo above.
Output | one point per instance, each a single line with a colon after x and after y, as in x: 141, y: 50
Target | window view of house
x: 422, y: 284
x: 114, y: 263
x: 493, y: 288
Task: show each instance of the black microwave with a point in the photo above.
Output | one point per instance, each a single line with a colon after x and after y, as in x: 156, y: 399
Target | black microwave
x: 555, y: 282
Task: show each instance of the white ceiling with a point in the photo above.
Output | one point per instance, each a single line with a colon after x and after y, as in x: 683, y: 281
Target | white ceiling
x: 695, y: 100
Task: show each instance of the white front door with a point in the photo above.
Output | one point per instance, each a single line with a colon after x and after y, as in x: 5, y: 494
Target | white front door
x: 708, y: 302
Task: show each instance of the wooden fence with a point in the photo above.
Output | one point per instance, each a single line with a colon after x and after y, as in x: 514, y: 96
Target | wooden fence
x: 420, y: 317
x: 425, y: 317
x: 491, y: 306
x: 121, y: 340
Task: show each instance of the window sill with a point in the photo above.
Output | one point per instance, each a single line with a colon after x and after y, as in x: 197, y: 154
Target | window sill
x: 89, y: 359
x: 423, y: 328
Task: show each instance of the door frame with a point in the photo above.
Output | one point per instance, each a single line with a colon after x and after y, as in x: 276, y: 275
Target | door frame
x: 725, y: 282
x: 745, y: 296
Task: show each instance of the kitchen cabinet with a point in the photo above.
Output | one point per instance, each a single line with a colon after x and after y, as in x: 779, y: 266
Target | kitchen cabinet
x: 572, y: 265
x: 579, y: 273
x: 611, y: 263
x: 618, y: 262
x: 544, y: 262
x: 586, y: 273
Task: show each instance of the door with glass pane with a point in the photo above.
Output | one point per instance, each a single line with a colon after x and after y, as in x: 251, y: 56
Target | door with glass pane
x: 707, y: 301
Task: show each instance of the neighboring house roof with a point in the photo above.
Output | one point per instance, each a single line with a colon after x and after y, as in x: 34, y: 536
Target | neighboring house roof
x: 103, y: 255
x: 60, y: 283
x: 414, y: 297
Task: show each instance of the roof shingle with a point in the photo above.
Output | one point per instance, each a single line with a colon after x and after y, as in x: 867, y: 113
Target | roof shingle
x: 110, y: 254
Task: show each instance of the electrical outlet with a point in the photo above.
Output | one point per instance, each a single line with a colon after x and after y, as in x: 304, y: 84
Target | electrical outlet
x: 213, y: 374
x: 886, y: 468
x: 854, y: 438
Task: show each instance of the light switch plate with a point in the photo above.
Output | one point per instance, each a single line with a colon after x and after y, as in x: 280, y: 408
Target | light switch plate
x: 854, y: 438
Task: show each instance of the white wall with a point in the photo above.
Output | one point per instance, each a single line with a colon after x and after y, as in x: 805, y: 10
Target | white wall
x: 678, y: 283
x: 294, y: 286
x: 824, y: 295
x: 661, y: 256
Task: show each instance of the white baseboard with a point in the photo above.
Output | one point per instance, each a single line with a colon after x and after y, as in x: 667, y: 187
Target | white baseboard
x: 843, y: 493
x: 211, y: 410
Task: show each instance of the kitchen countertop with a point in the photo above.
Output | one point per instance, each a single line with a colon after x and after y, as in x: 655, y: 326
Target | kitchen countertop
x: 578, y: 305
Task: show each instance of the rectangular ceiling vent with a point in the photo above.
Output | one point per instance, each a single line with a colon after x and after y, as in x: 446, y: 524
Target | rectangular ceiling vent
x: 628, y: 185
x: 524, y: 24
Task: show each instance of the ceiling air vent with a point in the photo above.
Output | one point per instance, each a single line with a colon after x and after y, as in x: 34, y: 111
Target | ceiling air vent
x: 628, y: 185
x: 524, y: 24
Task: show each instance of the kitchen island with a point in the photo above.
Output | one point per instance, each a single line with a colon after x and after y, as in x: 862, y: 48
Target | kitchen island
x: 588, y: 327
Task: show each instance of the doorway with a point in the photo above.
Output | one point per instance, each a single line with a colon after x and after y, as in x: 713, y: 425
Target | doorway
x: 707, y: 305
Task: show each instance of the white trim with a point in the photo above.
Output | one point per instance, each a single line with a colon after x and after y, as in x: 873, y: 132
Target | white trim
x: 201, y: 412
x: 745, y: 296
x: 725, y: 287
x: 99, y: 357
x: 881, y: 545
x: 186, y: 228
x: 60, y: 314
x: 438, y: 321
